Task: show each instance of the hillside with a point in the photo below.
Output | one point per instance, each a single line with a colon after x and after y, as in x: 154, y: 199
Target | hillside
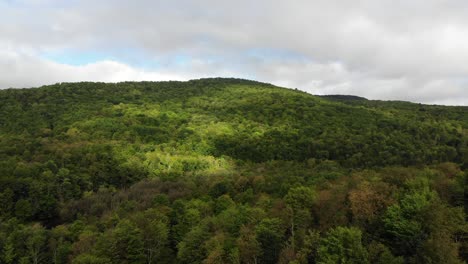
x: 228, y: 171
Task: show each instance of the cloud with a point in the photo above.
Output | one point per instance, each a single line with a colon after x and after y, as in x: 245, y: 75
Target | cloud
x: 407, y: 50
x: 32, y: 71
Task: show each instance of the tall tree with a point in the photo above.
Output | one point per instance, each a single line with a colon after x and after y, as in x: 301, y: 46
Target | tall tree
x: 342, y: 245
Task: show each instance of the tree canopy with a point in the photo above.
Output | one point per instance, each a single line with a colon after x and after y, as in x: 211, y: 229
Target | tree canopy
x: 228, y: 171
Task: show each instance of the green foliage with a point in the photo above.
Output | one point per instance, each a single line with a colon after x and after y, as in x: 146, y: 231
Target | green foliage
x: 269, y: 233
x: 380, y: 254
x: 404, y: 221
x: 191, y: 248
x: 90, y: 259
x: 248, y: 245
x: 342, y: 246
x: 300, y: 197
x: 228, y: 171
x: 440, y: 249
x: 126, y: 245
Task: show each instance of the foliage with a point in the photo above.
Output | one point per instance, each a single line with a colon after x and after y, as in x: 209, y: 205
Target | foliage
x: 342, y: 246
x: 228, y: 171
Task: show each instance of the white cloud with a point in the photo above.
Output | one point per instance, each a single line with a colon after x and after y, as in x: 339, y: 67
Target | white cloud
x: 32, y: 71
x: 409, y: 50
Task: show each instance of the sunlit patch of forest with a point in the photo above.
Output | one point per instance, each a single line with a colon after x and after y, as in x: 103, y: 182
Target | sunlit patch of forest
x: 228, y: 171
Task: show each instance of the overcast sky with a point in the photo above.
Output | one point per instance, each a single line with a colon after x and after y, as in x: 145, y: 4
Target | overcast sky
x: 414, y: 50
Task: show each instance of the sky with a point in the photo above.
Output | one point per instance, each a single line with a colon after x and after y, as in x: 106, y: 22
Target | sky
x: 413, y: 50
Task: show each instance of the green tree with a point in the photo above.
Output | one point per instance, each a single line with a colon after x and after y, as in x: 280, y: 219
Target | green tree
x: 380, y: 254
x: 23, y: 209
x: 404, y: 221
x: 249, y: 247
x: 270, y: 235
x: 36, y: 243
x: 91, y: 259
x: 307, y: 252
x: 126, y: 245
x: 7, y: 203
x: 59, y: 245
x: 191, y: 248
x: 300, y: 197
x: 155, y: 233
x: 439, y: 249
x: 300, y: 201
x: 342, y: 245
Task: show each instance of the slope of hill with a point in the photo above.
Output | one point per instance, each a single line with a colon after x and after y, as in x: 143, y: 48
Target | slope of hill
x: 343, y: 98
x: 227, y: 171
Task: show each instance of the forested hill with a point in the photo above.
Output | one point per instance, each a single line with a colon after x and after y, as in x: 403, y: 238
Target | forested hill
x: 237, y: 118
x: 228, y: 171
x: 344, y: 98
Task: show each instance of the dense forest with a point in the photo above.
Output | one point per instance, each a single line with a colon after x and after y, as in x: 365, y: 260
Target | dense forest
x: 228, y: 171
